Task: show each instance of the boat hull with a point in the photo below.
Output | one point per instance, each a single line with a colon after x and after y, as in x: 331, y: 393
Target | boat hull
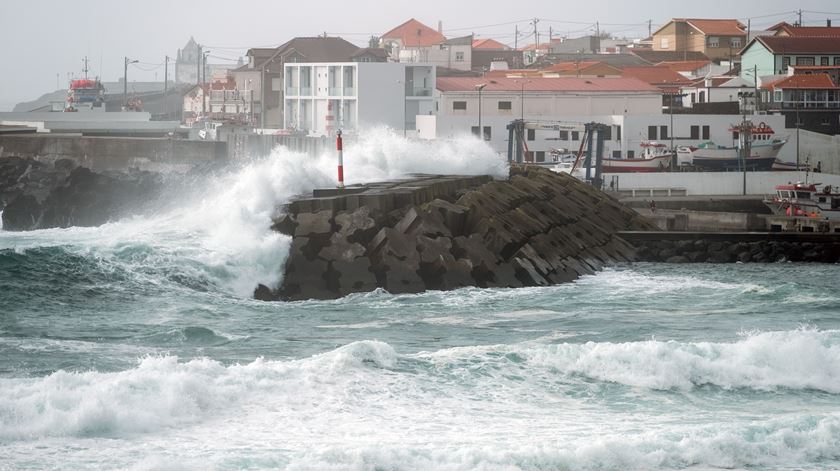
x: 654, y: 164
x: 762, y: 157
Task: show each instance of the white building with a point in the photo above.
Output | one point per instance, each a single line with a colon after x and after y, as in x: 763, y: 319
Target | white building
x: 631, y: 108
x: 323, y: 97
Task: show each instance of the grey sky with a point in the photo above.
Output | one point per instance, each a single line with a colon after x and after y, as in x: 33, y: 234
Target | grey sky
x: 40, y: 39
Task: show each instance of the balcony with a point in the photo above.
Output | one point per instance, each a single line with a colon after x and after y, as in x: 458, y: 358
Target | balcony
x: 305, y: 91
x: 809, y: 105
x: 335, y: 91
x: 349, y: 91
x: 292, y: 91
x: 420, y: 91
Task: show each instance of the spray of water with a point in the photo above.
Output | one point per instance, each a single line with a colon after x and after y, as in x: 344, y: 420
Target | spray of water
x: 224, y: 226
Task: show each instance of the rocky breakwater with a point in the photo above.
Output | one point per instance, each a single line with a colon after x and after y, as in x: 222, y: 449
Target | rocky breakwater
x: 41, y: 195
x: 792, y: 247
x: 440, y: 233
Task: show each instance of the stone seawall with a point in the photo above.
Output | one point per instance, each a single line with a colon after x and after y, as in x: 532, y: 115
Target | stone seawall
x: 748, y: 247
x: 441, y: 233
x: 114, y: 153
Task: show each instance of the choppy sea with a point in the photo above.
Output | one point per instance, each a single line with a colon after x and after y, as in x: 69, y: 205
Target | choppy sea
x: 135, y: 345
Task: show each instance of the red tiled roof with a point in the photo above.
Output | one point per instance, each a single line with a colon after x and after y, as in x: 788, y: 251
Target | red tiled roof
x: 561, y: 84
x: 806, y: 31
x: 713, y: 26
x: 655, y: 75
x: 415, y: 34
x: 804, y: 82
x: 684, y: 66
x: 488, y: 44
x: 721, y: 27
x: 800, y: 44
x: 512, y: 72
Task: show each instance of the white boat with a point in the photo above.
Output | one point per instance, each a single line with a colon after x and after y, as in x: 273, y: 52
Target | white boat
x: 655, y: 158
x: 805, y: 200
x: 764, y: 148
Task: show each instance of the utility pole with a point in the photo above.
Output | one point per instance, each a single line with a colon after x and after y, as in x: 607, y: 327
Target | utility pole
x: 650, y: 28
x: 85, y: 70
x: 165, y: 85
x: 536, y: 36
x: 749, y: 28
x: 799, y: 14
x: 516, y: 37
x: 198, y: 65
x: 757, y: 97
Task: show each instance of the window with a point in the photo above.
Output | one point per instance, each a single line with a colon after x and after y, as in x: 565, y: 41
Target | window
x: 564, y: 135
x: 785, y: 64
x: 616, y: 154
x: 459, y: 57
x: 459, y: 105
x: 631, y: 154
x: 777, y: 96
x: 532, y: 134
x: 575, y: 135
x: 695, y: 132
x: 706, y: 132
x: 837, y: 61
x: 540, y: 156
x: 652, y: 133
x: 702, y: 96
x: 607, y: 133
x: 663, y: 132
x: 664, y: 43
x: 714, y: 41
x: 805, y: 61
x: 474, y: 131
x: 487, y: 133
x: 735, y: 42
x: 823, y: 60
x: 825, y: 122
x: 618, y: 133
x: 504, y: 105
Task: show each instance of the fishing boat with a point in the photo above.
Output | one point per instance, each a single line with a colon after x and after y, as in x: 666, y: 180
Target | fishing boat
x: 85, y: 95
x: 655, y: 158
x: 805, y: 200
x: 764, y: 148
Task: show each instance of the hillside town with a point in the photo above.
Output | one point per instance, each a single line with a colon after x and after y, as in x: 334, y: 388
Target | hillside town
x: 685, y: 85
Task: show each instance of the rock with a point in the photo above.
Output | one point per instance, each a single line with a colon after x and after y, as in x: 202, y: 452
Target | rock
x: 317, y: 223
x: 677, y: 259
x: 340, y: 249
x: 22, y: 214
x: 744, y: 257
x: 357, y: 226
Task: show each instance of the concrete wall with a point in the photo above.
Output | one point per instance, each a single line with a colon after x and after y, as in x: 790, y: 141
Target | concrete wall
x: 718, y: 183
x: 115, y: 153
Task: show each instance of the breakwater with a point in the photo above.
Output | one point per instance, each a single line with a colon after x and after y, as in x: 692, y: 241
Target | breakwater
x: 731, y: 247
x: 440, y: 233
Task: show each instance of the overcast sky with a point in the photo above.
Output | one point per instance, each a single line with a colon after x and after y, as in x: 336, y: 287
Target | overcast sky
x: 39, y: 38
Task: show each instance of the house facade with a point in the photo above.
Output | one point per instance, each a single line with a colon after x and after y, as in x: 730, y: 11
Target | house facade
x: 772, y: 55
x: 414, y: 42
x: 812, y: 100
x: 717, y: 39
x: 321, y: 98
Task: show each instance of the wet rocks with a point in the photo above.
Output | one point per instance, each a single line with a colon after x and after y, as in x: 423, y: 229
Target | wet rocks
x: 38, y: 195
x: 442, y: 233
x: 705, y: 251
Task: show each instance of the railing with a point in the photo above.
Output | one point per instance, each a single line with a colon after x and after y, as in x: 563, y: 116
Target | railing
x: 305, y: 91
x: 420, y: 91
x: 292, y: 91
x: 335, y: 91
x: 230, y: 95
x: 349, y: 91
x: 792, y: 105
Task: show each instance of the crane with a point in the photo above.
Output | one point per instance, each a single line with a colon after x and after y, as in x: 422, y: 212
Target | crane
x: 518, y: 147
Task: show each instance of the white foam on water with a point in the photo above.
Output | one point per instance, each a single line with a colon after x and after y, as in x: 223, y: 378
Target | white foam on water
x: 224, y: 227
x: 364, y: 406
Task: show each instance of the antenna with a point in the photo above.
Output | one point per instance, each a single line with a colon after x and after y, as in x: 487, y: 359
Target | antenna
x: 85, y: 69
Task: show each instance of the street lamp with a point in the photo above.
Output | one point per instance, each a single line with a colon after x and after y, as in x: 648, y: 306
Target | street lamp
x: 522, y: 98
x: 125, y: 80
x: 204, y: 82
x: 405, y: 112
x: 480, y: 87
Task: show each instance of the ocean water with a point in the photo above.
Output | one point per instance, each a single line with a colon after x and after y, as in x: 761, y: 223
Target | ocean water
x: 135, y: 345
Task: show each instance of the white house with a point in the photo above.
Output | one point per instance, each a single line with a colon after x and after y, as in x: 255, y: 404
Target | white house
x: 323, y: 97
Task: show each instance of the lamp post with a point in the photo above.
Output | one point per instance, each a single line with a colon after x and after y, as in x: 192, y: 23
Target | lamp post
x: 204, y: 82
x: 125, y: 80
x: 522, y: 99
x: 480, y: 87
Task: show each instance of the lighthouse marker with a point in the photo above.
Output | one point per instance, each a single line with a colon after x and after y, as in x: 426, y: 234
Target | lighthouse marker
x: 338, y: 147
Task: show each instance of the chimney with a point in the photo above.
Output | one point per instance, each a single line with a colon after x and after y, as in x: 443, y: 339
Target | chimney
x: 440, y: 26
x: 828, y: 22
